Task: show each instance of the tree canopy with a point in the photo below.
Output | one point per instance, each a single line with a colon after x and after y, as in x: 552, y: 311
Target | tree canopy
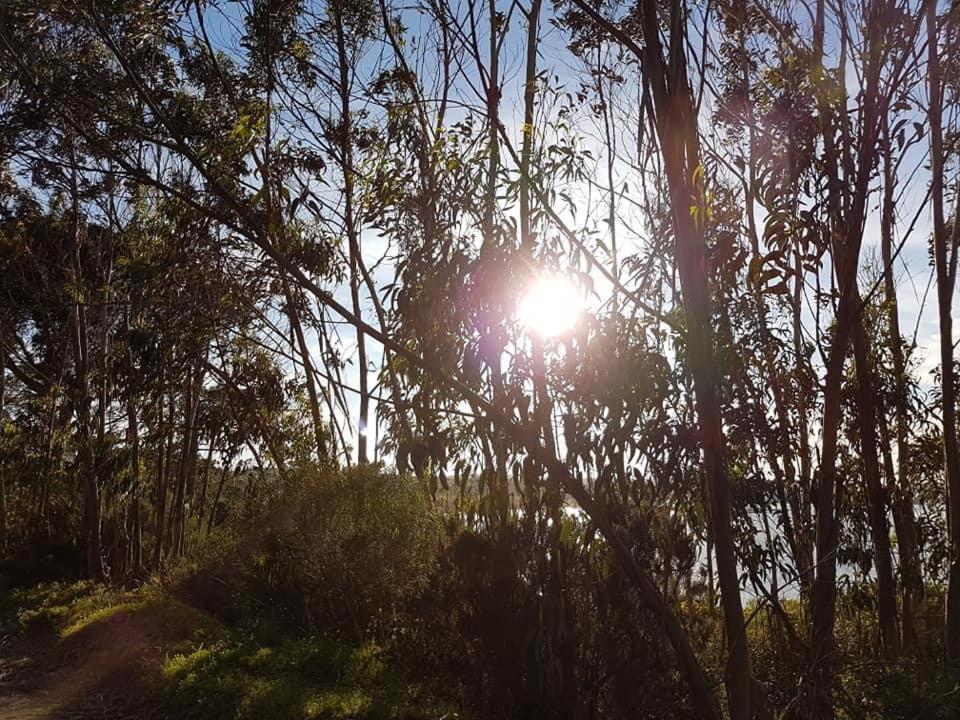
x: 247, y: 245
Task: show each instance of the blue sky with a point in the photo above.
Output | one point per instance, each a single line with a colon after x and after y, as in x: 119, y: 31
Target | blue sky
x: 566, y: 71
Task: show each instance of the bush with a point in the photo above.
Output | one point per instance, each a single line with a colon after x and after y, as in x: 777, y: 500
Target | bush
x: 338, y: 550
x: 301, y: 678
x: 494, y: 628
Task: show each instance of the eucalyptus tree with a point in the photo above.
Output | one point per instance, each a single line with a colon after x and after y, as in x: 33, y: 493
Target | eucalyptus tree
x: 228, y: 189
x: 180, y: 278
x: 942, y: 30
x: 674, y: 120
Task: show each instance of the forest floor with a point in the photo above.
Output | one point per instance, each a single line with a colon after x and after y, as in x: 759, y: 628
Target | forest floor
x: 77, y: 651
x: 99, y: 673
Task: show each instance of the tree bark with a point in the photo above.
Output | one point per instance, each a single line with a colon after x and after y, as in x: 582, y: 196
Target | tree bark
x: 903, y: 512
x: 876, y: 497
x: 3, y: 474
x: 353, y: 236
x: 944, y: 262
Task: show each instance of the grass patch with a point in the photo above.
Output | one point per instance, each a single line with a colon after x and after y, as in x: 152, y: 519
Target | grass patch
x: 169, y: 621
x: 212, y: 673
x: 51, y: 606
x: 71, y: 608
x: 905, y: 692
x: 302, y: 679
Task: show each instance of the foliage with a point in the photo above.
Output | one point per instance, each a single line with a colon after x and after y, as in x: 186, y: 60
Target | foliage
x: 341, y: 550
x: 212, y: 672
x: 71, y: 609
x: 254, y: 255
x: 304, y: 678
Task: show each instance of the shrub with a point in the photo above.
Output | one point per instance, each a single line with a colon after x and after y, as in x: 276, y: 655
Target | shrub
x: 341, y: 550
x: 301, y: 678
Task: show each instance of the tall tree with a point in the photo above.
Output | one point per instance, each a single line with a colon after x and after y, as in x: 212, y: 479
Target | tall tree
x: 665, y: 75
x: 945, y: 261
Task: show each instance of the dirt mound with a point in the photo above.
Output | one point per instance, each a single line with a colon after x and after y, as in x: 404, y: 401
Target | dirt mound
x: 95, y: 675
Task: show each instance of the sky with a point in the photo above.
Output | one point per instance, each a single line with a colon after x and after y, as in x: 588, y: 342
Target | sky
x: 917, y: 300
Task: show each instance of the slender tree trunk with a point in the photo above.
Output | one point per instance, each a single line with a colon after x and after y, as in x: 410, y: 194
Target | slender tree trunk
x: 179, y: 490
x: 216, y: 497
x: 823, y: 594
x: 52, y: 460
x: 679, y: 141
x: 190, y: 484
x: 494, y: 346
x: 876, y: 498
x: 323, y: 453
x: 799, y: 493
x: 944, y: 262
x: 848, y: 193
x: 353, y: 235
x: 163, y: 465
x: 818, y: 691
x: 3, y: 473
x: 91, y: 494
x: 81, y: 391
x: 101, y: 464
x: 201, y: 497
x: 557, y: 623
x: 902, y: 492
x: 188, y: 455
x: 133, y: 438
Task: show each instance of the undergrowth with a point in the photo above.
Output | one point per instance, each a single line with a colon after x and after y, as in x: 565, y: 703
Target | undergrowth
x: 296, y: 678
x: 212, y: 672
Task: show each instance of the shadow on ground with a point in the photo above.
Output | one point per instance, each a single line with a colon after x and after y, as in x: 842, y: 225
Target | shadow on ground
x: 88, y: 653
x: 102, y: 665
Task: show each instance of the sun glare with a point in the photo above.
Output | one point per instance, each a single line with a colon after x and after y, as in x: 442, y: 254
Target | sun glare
x: 551, y: 305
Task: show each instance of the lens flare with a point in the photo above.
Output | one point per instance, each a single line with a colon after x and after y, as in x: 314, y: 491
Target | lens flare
x: 551, y: 306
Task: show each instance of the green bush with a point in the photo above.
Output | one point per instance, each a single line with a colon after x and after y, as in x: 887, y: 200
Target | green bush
x: 50, y: 605
x: 911, y: 687
x: 337, y: 550
x: 301, y: 678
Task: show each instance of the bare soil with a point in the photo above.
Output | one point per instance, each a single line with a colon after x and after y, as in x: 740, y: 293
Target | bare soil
x: 99, y: 674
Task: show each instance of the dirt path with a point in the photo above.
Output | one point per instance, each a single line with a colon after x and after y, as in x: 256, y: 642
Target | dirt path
x: 94, y: 676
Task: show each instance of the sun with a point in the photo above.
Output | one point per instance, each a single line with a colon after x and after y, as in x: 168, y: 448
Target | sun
x: 551, y: 305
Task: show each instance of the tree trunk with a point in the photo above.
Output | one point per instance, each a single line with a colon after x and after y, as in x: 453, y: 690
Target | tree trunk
x: 353, y: 236
x: 101, y: 463
x: 216, y: 497
x: 133, y: 438
x: 176, y: 507
x: 560, y: 688
x: 799, y: 495
x: 201, y: 497
x: 823, y: 593
x: 679, y: 142
x: 81, y: 391
x: 903, y: 513
x: 944, y: 261
x: 876, y: 498
x: 163, y: 471
x: 3, y: 474
x: 188, y: 455
x: 323, y: 453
